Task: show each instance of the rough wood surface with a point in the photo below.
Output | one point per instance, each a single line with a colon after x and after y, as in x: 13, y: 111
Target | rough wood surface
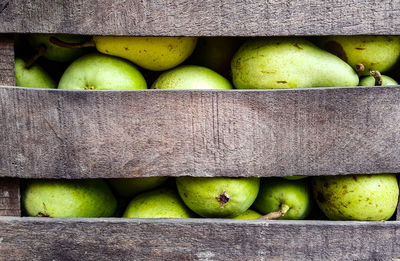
x: 209, y: 17
x: 86, y: 134
x: 9, y: 188
x: 7, y: 76
x: 9, y: 197
x: 198, y: 239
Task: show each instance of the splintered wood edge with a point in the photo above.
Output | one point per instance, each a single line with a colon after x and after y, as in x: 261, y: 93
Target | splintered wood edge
x: 197, y: 239
x: 201, y: 18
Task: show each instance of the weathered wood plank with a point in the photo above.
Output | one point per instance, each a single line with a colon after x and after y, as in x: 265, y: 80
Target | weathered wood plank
x: 9, y: 188
x: 203, y: 18
x: 83, y: 134
x: 198, y: 239
x: 7, y: 76
x: 9, y: 197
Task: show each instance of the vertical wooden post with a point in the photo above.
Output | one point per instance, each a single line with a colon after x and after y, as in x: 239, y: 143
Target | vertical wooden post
x: 9, y: 187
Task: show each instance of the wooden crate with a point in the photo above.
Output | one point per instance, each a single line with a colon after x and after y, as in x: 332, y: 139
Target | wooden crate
x: 77, y: 134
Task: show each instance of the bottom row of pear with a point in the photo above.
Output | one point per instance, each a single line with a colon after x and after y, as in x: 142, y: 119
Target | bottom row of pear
x: 347, y: 197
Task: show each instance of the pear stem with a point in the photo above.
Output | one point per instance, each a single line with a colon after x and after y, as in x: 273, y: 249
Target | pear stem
x: 378, y: 77
x: 60, y: 43
x: 275, y: 215
x: 39, y: 52
x: 360, y: 68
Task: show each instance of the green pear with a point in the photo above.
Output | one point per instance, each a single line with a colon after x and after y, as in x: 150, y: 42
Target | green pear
x: 248, y: 214
x: 51, y: 51
x: 128, y: 187
x: 288, y: 62
x: 370, y: 81
x: 68, y: 198
x: 284, y: 199
x: 97, y: 71
x: 159, y: 203
x: 34, y: 76
x: 218, y: 196
x: 191, y: 77
x: 364, y: 53
x: 357, y: 197
x: 152, y: 53
x: 216, y: 53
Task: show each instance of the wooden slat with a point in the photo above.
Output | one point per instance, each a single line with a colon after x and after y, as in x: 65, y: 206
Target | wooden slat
x: 9, y: 188
x: 84, y: 134
x: 205, y: 18
x: 7, y: 76
x: 9, y: 197
x: 198, y: 239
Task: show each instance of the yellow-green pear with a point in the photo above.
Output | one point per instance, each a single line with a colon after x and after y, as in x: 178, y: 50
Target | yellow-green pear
x: 284, y: 199
x: 370, y: 81
x: 191, y: 77
x: 33, y: 76
x: 357, y: 197
x: 68, y: 198
x: 248, y: 214
x: 364, y: 53
x: 288, y: 62
x: 218, y: 196
x: 158, y: 203
x: 44, y: 47
x: 151, y: 53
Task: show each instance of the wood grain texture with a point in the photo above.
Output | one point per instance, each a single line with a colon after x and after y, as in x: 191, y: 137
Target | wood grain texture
x: 7, y: 76
x: 203, y: 18
x: 197, y: 239
x: 9, y: 197
x: 88, y: 134
x: 9, y: 188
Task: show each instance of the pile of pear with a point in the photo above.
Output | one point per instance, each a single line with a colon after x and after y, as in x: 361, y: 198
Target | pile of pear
x: 371, y: 197
x: 77, y: 62
x: 90, y: 63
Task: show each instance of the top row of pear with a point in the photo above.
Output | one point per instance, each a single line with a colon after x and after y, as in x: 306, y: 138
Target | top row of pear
x: 256, y: 63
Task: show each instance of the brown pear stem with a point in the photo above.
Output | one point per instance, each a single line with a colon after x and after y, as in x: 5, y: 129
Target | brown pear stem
x: 277, y: 214
x: 378, y: 77
x: 39, y: 52
x: 360, y: 67
x: 60, y: 43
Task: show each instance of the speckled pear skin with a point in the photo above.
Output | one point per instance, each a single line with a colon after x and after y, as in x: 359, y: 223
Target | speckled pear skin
x: 357, y: 197
x: 277, y: 191
x: 218, y: 196
x: 378, y: 53
x: 158, y: 203
x: 249, y: 214
x: 68, y: 198
x: 128, y: 187
x: 370, y: 81
x: 192, y: 77
x: 152, y: 53
x: 288, y: 62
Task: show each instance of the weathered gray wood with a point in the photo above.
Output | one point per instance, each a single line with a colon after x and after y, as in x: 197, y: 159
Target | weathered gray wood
x: 9, y: 197
x: 9, y: 188
x: 84, y: 134
x: 7, y: 76
x: 198, y: 239
x: 203, y: 18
